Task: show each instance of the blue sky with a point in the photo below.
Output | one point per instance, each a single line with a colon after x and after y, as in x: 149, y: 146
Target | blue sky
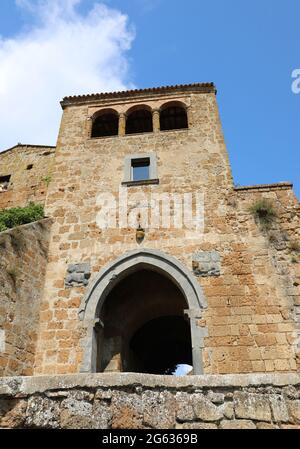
x: 249, y: 49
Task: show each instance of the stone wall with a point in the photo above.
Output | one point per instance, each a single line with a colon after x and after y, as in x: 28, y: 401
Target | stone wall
x: 30, y: 167
x: 23, y: 261
x: 276, y: 255
x: 136, y: 401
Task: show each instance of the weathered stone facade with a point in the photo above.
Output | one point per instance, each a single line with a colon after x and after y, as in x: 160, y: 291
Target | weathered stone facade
x: 248, y: 276
x: 29, y: 168
x: 139, y: 401
x: 23, y: 262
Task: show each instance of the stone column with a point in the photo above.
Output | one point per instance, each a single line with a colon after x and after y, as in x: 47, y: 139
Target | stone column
x: 113, y: 352
x: 197, y: 334
x: 122, y: 124
x: 89, y: 125
x: 89, y: 361
x: 155, y: 119
x: 189, y: 116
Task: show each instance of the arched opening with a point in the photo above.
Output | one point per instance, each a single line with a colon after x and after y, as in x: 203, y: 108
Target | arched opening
x: 139, y: 121
x: 173, y: 116
x: 108, y: 340
x: 105, y: 124
x: 144, y: 327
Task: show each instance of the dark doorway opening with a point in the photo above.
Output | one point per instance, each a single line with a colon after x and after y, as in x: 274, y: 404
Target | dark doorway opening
x: 161, y: 345
x: 144, y: 326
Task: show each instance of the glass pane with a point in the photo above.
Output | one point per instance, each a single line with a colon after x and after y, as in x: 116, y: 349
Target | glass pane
x: 140, y: 173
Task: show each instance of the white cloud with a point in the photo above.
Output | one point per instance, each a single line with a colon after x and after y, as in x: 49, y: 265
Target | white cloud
x: 63, y: 53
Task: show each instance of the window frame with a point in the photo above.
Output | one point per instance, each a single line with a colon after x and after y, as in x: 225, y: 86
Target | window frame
x: 128, y: 172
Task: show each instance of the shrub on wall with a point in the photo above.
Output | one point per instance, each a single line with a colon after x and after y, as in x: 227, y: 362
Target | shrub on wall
x: 264, y: 211
x: 9, y: 218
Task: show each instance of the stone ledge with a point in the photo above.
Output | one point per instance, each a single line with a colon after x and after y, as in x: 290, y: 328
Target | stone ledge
x: 145, y: 182
x: 23, y: 386
x: 267, y: 187
x: 42, y: 221
x: 141, y: 401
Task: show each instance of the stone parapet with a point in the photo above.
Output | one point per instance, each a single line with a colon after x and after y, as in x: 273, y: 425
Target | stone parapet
x: 142, y: 401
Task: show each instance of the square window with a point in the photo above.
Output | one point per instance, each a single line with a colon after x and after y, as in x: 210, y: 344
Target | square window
x: 140, y: 169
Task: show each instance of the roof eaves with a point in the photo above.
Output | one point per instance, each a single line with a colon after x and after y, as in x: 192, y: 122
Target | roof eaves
x: 199, y: 87
x: 21, y: 145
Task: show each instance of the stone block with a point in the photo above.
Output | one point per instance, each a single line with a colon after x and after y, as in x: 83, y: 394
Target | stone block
x: 294, y: 410
x: 127, y: 411
x: 227, y: 410
x: 265, y: 425
x: 206, y: 263
x: 78, y: 275
x: 76, y: 414
x: 237, y: 424
x: 252, y: 406
x: 279, y: 408
x: 159, y: 409
x: 215, y: 398
x: 12, y: 413
x: 185, y: 411
x: 205, y: 410
x: 101, y: 416
x: 42, y: 413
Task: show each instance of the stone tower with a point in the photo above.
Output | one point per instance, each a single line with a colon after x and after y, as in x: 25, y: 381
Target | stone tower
x: 154, y: 258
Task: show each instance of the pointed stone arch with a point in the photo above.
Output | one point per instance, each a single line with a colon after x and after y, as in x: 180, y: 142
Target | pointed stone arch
x: 117, y: 270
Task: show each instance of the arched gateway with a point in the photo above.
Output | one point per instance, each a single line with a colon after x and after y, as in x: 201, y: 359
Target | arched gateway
x: 134, y: 313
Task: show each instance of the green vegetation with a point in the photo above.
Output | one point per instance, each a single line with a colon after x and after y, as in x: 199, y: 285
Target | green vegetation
x: 9, y: 218
x: 264, y: 211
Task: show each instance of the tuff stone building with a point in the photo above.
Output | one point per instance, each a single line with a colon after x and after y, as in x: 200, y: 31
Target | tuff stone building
x: 80, y: 297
